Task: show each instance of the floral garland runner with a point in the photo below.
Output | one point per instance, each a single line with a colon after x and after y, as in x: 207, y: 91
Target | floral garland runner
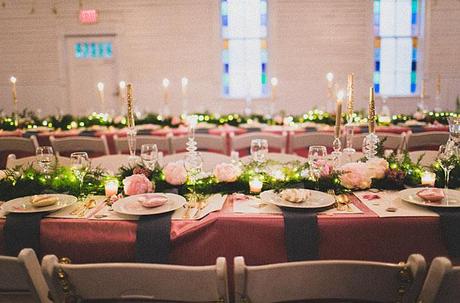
x: 391, y: 172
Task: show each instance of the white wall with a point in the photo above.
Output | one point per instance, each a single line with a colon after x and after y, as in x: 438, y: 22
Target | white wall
x: 176, y: 38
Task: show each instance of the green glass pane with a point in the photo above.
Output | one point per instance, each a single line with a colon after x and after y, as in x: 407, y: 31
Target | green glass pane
x: 264, y: 79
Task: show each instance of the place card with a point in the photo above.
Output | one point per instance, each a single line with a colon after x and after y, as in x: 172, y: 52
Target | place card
x: 388, y: 204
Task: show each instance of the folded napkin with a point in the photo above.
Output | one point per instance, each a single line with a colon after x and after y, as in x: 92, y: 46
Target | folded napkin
x: 22, y: 231
x: 202, y: 130
x: 87, y: 133
x: 301, y: 234
x: 450, y: 229
x: 144, y: 132
x: 153, y: 241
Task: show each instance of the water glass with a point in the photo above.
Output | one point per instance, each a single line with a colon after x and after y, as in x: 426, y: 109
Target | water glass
x: 193, y: 165
x: 149, y: 155
x: 79, y: 163
x: 316, y: 157
x: 259, y: 150
x: 445, y: 157
x: 45, y: 158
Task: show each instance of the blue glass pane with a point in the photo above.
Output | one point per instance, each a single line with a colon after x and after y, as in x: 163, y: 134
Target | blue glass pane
x: 413, y: 87
x: 78, y: 52
x: 100, y: 49
x: 263, y: 19
x: 108, y: 50
x: 377, y: 66
x: 93, y: 50
x: 224, y: 20
x: 414, y: 54
x: 85, y: 50
x: 264, y: 67
x: 226, y: 68
x: 414, y: 66
x: 377, y: 88
x: 377, y: 53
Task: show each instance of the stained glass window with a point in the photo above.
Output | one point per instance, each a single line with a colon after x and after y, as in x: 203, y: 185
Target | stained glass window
x: 93, y: 50
x: 396, y: 50
x: 244, y: 54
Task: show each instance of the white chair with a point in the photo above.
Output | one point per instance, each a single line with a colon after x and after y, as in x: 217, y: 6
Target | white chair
x: 26, y: 145
x: 242, y: 142
x: 335, y: 279
x: 427, y: 140
x: 12, y: 161
x: 205, y: 142
x: 394, y: 142
x: 94, y: 146
x: 277, y: 157
x: 303, y: 141
x: 21, y: 279
x: 442, y: 283
x: 210, y: 160
x: 22, y: 146
x: 163, y: 143
x: 131, y: 281
x: 429, y: 156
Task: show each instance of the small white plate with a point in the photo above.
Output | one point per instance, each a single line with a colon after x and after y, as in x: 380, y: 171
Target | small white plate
x: 131, y: 205
x: 23, y: 205
x: 317, y: 200
x: 410, y: 195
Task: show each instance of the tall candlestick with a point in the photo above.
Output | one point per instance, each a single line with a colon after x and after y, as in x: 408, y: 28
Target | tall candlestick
x: 130, y: 101
x: 438, y: 85
x: 100, y: 90
x: 122, y: 91
x: 13, y: 90
x: 165, y: 90
x: 274, y: 83
x: 350, y: 91
x: 371, y: 116
x: 184, y: 82
x: 422, y: 90
x: 338, y: 113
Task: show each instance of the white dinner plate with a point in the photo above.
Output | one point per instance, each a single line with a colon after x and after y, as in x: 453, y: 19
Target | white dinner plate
x: 23, y: 205
x: 131, y: 205
x: 410, y: 195
x: 317, y: 200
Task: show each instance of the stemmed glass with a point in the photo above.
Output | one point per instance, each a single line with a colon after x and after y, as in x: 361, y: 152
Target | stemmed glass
x: 193, y: 165
x: 45, y: 158
x: 79, y: 163
x: 316, y: 155
x: 446, y: 162
x: 259, y: 150
x: 149, y: 155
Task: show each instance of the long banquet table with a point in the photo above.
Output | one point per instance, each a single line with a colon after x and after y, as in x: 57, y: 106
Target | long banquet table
x: 259, y: 238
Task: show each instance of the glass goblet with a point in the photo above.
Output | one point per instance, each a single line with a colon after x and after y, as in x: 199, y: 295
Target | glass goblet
x: 149, y: 155
x: 45, y: 158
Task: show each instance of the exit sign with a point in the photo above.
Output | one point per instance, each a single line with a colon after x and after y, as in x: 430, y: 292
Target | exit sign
x: 88, y: 16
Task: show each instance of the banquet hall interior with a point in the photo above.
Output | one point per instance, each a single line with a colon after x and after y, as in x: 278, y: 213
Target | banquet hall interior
x: 230, y: 151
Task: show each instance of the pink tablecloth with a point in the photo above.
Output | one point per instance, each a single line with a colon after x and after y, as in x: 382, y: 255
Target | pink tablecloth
x: 259, y: 238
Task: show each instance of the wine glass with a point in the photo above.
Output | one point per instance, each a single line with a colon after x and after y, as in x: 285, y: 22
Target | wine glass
x: 45, y: 158
x: 149, y: 155
x: 259, y: 150
x: 446, y: 162
x: 193, y: 165
x: 79, y: 163
x: 316, y: 156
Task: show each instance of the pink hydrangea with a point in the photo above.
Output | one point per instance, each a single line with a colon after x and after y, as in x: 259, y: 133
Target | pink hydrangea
x: 226, y: 172
x: 355, y: 176
x: 377, y: 167
x: 137, y: 184
x: 175, y: 173
x: 325, y: 168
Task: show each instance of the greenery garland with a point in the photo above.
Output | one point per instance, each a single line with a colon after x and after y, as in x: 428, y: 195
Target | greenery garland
x: 27, y: 180
x: 29, y: 120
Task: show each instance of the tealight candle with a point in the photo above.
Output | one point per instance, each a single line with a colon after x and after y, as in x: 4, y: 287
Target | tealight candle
x: 428, y: 178
x: 165, y: 90
x: 111, y: 188
x: 255, y: 186
x: 100, y: 90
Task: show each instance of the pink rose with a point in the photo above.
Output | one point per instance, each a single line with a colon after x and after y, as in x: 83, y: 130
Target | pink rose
x: 175, y: 121
x: 355, y: 176
x: 325, y: 169
x: 137, y: 184
x: 419, y: 116
x: 175, y: 173
x: 226, y: 172
x: 377, y: 167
